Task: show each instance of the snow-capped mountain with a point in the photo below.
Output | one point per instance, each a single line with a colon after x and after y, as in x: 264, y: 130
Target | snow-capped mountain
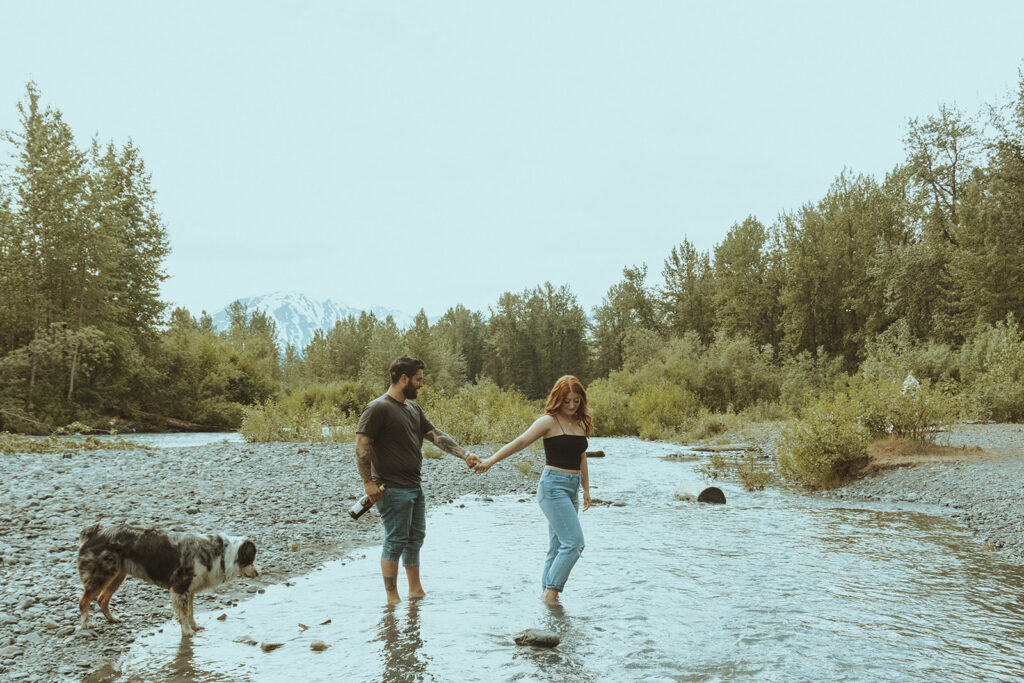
x: 299, y: 317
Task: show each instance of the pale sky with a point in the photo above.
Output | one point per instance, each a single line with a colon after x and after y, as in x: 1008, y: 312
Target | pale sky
x: 423, y: 154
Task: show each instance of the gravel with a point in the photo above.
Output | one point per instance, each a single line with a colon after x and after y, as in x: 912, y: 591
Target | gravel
x: 982, y: 493
x: 292, y: 499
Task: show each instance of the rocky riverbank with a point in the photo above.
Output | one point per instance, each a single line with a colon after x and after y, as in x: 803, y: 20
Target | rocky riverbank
x: 292, y: 499
x: 981, y: 489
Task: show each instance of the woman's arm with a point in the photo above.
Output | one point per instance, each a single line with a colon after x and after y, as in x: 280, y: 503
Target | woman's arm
x: 585, y: 480
x: 538, y: 429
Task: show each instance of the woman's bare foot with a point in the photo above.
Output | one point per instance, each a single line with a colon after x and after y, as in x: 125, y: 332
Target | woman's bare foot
x: 550, y: 598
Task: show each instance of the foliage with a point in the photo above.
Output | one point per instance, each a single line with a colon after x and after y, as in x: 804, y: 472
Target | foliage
x: 992, y: 371
x: 481, y: 413
x: 663, y: 411
x: 820, y: 450
x: 15, y: 443
x: 885, y: 406
x: 535, y: 337
x: 272, y: 421
x: 610, y: 408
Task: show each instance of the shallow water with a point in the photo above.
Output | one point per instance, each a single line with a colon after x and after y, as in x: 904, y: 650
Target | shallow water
x: 168, y: 439
x: 771, y: 586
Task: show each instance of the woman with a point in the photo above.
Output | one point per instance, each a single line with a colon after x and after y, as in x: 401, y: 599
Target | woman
x: 565, y: 426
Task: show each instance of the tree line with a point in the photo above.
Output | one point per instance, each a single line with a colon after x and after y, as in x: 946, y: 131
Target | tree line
x: 930, y: 256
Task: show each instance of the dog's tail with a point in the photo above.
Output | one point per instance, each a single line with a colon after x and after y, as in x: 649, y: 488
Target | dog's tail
x: 88, y: 532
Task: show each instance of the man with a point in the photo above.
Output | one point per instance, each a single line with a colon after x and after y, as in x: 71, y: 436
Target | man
x: 388, y: 441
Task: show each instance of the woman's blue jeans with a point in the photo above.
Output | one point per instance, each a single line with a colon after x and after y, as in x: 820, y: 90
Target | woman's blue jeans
x: 558, y: 495
x: 404, y: 514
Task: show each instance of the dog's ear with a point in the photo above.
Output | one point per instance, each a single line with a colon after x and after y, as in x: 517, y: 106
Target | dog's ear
x: 247, y: 554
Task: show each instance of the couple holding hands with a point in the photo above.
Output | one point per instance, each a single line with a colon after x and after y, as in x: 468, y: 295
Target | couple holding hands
x: 389, y: 437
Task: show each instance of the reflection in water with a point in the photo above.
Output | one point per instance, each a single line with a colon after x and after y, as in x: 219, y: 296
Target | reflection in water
x: 402, y: 659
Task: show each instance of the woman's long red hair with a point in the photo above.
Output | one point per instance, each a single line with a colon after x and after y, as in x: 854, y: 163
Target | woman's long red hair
x: 563, y: 386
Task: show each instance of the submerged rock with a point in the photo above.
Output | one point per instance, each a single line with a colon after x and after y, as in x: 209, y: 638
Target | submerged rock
x: 269, y: 647
x: 711, y: 494
x: 684, y: 495
x: 318, y: 646
x: 537, y: 638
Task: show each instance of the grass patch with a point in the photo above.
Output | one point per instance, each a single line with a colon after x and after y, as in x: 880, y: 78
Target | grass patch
x: 892, y: 452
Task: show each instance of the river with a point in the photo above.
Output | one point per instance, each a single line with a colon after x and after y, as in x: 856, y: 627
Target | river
x: 772, y: 586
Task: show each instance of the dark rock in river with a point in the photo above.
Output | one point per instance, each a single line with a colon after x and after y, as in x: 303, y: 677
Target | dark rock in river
x: 595, y: 454
x: 711, y: 494
x: 537, y: 638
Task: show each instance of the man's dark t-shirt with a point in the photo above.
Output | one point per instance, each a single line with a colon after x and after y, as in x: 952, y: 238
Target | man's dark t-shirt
x: 397, y: 430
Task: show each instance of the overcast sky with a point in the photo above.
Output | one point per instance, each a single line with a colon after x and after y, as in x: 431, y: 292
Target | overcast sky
x: 422, y: 154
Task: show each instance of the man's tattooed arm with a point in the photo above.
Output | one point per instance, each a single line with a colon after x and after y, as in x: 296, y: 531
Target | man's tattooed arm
x: 364, y: 451
x: 449, y: 445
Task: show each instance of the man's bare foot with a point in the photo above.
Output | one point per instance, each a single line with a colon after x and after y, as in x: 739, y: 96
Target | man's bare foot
x: 416, y: 594
x: 394, y: 598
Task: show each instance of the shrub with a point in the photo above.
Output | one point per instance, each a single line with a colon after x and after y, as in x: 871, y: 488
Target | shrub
x: 885, y: 407
x: 272, y: 421
x: 480, y: 413
x: 662, y: 412
x: 752, y: 473
x: 610, y: 409
x: 992, y: 372
x: 820, y: 450
x: 895, y: 353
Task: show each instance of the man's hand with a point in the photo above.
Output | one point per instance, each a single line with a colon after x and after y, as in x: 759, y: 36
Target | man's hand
x: 372, y: 490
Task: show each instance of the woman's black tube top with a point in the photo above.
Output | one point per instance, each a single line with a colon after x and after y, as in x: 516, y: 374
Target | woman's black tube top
x: 564, y: 451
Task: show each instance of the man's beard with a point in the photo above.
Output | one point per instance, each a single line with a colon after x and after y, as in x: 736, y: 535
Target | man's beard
x: 410, y: 390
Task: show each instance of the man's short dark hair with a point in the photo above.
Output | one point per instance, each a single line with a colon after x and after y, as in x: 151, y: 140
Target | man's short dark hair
x: 405, y: 365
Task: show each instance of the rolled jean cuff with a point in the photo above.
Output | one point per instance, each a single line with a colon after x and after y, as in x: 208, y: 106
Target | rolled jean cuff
x: 411, y: 559
x: 391, y: 556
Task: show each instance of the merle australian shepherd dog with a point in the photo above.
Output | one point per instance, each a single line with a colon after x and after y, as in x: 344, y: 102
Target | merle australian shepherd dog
x: 183, y: 563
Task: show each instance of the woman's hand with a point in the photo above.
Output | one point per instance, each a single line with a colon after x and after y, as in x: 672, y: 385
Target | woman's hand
x: 586, y: 500
x: 484, y: 465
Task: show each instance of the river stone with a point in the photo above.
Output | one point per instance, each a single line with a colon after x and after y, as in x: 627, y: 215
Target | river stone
x: 595, y: 454
x: 684, y: 495
x: 318, y: 646
x: 537, y: 638
x: 711, y: 494
x: 270, y: 647
x: 11, y: 651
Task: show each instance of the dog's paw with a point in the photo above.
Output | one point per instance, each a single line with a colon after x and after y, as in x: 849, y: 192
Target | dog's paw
x: 114, y: 620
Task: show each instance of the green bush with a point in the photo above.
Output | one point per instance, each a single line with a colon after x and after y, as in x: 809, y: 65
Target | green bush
x: 992, y: 372
x: 348, y: 398
x: 820, y: 450
x: 481, y: 413
x: 735, y: 374
x: 896, y: 353
x: 272, y: 421
x: 885, y: 407
x: 610, y: 409
x: 663, y: 412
